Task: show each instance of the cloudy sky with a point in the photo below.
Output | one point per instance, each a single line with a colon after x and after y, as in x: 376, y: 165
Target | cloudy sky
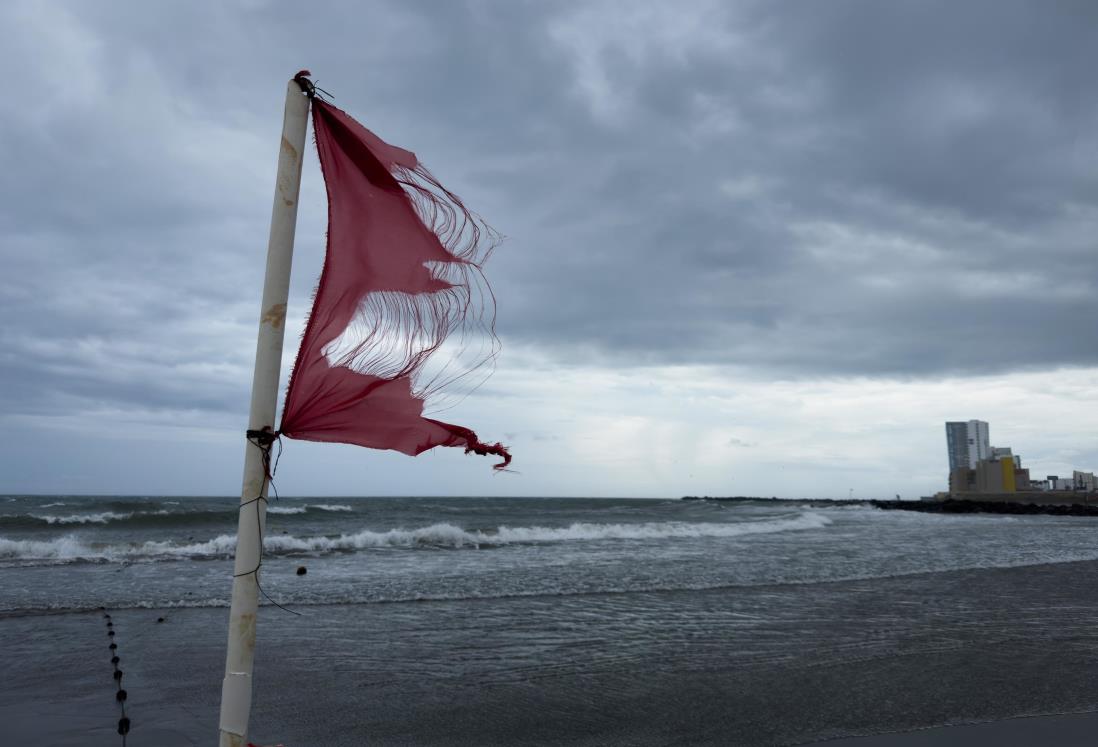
x: 753, y: 247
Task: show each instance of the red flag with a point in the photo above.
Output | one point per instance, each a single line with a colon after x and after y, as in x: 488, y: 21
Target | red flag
x: 402, y: 313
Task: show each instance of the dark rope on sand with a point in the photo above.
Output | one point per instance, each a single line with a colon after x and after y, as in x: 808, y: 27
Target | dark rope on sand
x: 264, y: 440
x: 120, y: 695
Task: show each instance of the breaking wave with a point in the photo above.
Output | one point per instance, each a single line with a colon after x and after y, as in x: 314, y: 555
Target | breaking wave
x: 292, y: 510
x: 71, y: 548
x: 103, y: 517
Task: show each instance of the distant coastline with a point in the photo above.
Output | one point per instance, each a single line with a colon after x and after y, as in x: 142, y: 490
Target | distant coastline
x: 931, y: 506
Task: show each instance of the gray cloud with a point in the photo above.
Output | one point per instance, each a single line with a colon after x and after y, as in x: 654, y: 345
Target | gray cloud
x: 844, y: 188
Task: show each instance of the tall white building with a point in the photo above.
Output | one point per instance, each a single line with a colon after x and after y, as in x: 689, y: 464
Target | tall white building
x: 967, y: 443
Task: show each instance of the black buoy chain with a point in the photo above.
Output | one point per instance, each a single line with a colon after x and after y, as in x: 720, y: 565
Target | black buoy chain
x: 120, y: 694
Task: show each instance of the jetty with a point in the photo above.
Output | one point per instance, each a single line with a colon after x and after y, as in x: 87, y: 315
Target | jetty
x: 944, y: 503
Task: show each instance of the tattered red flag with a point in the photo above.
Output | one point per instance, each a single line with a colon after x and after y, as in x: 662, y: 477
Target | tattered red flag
x: 403, y: 315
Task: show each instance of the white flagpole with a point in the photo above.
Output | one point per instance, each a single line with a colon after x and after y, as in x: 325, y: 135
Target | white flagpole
x: 236, y: 689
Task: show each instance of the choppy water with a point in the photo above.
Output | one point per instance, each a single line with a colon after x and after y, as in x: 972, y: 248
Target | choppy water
x: 64, y: 552
x: 575, y: 621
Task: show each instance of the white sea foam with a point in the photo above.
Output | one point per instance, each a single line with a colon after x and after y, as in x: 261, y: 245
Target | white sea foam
x: 920, y: 517
x: 52, y: 505
x: 448, y: 535
x: 70, y: 548
x: 220, y: 546
x: 103, y: 517
x: 290, y: 510
x: 99, y: 518
x: 67, y: 548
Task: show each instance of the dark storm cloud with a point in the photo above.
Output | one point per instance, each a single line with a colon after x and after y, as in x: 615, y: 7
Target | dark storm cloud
x: 804, y: 189
x: 918, y: 197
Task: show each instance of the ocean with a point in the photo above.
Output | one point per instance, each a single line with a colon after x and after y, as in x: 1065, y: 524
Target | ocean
x: 547, y: 620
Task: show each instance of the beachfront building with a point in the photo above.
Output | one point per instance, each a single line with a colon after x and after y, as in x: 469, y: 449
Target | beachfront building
x: 978, y: 469
x: 1002, y: 475
x: 967, y: 443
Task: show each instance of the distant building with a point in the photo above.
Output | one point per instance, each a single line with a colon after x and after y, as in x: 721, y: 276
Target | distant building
x: 1005, y: 452
x: 1084, y: 481
x: 1021, y: 477
x: 997, y: 476
x: 976, y: 467
x: 967, y: 443
x: 962, y: 480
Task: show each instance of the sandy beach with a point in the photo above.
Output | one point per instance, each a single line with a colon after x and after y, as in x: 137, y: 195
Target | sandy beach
x: 1063, y: 730
x: 982, y: 645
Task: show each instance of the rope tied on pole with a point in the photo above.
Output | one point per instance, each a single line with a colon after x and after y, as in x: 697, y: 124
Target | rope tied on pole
x: 264, y: 440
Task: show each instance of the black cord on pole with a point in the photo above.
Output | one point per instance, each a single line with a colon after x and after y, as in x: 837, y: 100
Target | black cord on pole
x: 263, y: 440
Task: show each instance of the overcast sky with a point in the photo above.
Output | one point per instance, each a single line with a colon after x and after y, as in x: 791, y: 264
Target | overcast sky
x: 753, y: 248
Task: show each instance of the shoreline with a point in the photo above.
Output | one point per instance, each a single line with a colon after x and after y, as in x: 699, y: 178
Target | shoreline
x: 704, y: 671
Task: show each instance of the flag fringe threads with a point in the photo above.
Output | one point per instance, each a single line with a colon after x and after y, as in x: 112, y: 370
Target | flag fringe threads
x: 403, y: 316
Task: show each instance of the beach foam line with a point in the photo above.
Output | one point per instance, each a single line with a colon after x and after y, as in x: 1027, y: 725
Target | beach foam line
x: 386, y: 594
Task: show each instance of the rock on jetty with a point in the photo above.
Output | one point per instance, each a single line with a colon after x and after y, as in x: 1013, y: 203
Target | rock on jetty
x: 970, y: 506
x: 947, y: 506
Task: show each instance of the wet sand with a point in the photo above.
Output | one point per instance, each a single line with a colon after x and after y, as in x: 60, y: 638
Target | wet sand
x: 1067, y: 730
x: 881, y: 656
